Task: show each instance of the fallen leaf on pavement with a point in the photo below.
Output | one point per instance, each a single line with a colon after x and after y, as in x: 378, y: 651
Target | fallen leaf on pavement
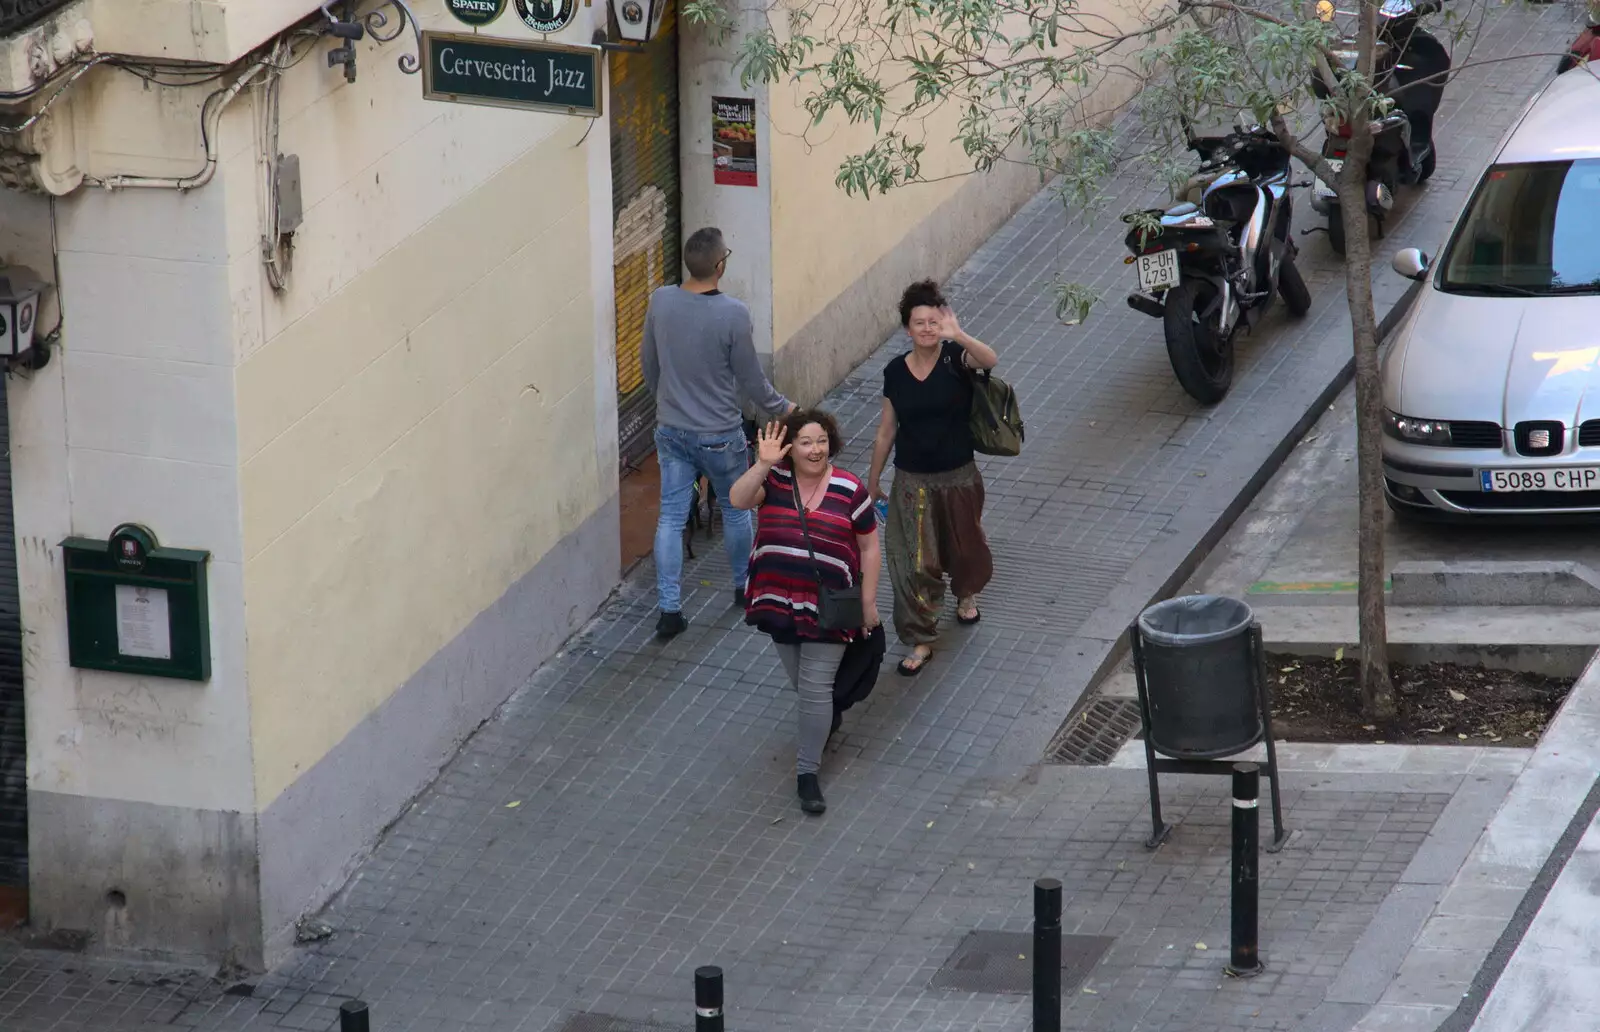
x: 1458, y: 696
x: 1201, y: 946
x: 513, y: 805
x: 1338, y: 654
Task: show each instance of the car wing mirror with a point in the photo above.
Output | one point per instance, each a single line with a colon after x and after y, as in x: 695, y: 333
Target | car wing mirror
x: 1410, y: 263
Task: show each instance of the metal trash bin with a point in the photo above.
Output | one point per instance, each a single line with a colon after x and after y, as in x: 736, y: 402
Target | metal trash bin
x: 1197, y: 664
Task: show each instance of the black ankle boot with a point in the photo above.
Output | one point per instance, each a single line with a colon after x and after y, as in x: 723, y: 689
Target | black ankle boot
x: 810, y: 793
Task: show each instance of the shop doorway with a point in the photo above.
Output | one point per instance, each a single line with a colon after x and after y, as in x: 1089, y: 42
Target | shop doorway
x: 646, y: 253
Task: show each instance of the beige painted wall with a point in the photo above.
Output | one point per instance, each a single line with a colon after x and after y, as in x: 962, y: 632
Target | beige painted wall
x: 418, y: 412
x: 824, y: 241
x: 194, y: 30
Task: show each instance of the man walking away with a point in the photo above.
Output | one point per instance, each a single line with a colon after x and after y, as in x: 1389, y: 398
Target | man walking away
x: 699, y: 359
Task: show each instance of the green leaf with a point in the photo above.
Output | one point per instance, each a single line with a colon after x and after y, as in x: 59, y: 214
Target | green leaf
x: 1073, y: 302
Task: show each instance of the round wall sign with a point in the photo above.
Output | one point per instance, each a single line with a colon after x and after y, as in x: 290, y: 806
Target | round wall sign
x: 547, y: 15
x: 476, y: 12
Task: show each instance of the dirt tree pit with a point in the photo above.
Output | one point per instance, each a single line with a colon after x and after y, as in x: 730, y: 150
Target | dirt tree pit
x: 1319, y: 700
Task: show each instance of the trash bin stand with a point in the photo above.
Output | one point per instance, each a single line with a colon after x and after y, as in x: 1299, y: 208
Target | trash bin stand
x: 1166, y: 765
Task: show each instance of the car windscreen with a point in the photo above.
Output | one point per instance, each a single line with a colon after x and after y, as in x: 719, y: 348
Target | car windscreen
x: 1530, y: 229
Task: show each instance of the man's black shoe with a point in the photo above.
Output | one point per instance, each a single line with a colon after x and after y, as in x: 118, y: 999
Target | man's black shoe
x: 670, y: 625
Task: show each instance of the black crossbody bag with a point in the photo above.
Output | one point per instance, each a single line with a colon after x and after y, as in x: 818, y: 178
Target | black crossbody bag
x: 838, y: 609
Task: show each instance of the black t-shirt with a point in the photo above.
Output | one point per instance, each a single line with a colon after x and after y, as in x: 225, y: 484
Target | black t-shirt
x: 934, y: 434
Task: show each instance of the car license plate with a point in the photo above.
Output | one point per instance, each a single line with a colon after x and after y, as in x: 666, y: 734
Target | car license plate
x: 1336, y: 165
x: 1158, y: 271
x: 1571, y: 478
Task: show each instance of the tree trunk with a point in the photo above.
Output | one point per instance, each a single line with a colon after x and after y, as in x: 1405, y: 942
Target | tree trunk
x: 1377, y: 692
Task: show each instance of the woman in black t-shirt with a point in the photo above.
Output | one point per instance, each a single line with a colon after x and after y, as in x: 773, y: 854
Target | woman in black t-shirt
x: 935, y: 519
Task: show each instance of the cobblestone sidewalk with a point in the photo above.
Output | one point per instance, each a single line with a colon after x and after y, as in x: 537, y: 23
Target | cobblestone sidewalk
x: 629, y: 814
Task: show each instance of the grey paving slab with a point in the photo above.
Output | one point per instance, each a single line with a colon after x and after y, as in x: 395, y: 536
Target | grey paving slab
x: 654, y: 827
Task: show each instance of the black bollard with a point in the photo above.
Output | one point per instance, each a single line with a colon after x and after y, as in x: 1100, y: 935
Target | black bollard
x: 708, y: 999
x: 1243, y: 959
x: 1046, y: 955
x: 353, y: 1017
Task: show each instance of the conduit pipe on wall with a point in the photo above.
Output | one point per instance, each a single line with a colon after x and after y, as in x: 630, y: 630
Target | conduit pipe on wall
x: 210, y: 122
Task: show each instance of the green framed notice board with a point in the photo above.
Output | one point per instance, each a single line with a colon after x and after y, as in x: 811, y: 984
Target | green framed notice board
x: 134, y: 607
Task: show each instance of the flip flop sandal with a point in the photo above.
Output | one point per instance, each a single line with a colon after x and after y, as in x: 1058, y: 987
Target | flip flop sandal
x: 913, y: 671
x: 968, y: 621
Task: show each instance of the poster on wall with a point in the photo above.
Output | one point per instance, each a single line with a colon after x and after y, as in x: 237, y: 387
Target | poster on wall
x: 143, y: 622
x: 733, y: 141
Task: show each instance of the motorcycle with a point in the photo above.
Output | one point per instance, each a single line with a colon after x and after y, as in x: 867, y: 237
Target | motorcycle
x: 1409, y: 66
x: 1211, y: 263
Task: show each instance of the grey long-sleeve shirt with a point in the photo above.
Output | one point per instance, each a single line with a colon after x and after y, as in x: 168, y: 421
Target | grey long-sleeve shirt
x: 699, y: 360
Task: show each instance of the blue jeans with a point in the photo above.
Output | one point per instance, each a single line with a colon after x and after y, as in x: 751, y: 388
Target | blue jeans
x: 683, y: 456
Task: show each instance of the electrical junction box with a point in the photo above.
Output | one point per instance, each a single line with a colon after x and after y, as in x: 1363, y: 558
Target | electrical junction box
x: 134, y: 607
x: 291, y: 211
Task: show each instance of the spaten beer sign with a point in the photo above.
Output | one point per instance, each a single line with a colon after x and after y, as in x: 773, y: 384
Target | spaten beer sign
x: 476, y: 13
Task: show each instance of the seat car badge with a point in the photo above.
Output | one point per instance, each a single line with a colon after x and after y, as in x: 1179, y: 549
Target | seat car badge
x: 1538, y: 438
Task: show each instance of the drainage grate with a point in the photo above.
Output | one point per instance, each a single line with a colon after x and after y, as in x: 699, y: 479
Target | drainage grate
x: 1002, y: 962
x: 1092, y: 735
x: 584, y: 1021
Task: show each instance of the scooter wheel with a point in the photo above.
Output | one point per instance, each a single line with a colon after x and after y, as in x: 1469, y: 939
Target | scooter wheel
x: 1336, y: 231
x: 1292, y: 288
x: 1425, y: 169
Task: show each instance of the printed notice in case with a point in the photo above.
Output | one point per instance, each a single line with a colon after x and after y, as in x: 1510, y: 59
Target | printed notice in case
x: 733, y: 141
x: 143, y: 630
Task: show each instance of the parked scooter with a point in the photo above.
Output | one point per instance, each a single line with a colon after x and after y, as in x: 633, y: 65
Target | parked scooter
x: 1409, y: 66
x: 1211, y: 263
x: 1587, y: 46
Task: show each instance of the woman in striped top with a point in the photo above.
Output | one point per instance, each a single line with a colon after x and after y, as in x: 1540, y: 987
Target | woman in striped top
x: 794, y: 467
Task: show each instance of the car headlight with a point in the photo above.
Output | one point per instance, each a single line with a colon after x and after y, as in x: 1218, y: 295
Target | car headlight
x: 1417, y: 431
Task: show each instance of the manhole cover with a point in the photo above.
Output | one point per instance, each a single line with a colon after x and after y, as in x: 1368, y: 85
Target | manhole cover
x: 584, y: 1021
x: 1002, y: 962
x: 1093, y: 734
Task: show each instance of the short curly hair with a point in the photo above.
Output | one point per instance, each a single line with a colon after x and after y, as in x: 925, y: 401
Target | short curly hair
x: 919, y: 294
x: 797, y: 420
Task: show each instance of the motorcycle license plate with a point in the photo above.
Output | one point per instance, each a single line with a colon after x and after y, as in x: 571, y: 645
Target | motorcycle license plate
x: 1158, y: 271
x: 1323, y: 189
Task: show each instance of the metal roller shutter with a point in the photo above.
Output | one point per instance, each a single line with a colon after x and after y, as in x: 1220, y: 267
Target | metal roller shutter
x: 13, y: 738
x: 646, y: 202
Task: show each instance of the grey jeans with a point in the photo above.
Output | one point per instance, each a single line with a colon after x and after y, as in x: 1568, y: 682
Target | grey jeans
x: 811, y: 667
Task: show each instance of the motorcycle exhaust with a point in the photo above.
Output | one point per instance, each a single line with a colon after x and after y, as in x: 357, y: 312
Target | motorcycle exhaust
x: 1147, y: 304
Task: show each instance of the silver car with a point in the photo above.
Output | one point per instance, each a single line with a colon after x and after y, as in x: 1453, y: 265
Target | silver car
x: 1492, y: 384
